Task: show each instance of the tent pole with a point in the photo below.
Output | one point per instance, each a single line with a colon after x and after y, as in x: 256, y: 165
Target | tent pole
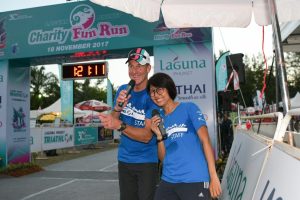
x: 281, y: 69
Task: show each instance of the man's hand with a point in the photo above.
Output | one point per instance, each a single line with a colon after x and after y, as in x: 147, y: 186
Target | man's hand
x: 109, y: 122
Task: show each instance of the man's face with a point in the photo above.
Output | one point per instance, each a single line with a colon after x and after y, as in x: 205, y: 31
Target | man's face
x: 138, y: 72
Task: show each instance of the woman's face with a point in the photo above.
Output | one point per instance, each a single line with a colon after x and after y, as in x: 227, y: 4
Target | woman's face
x: 159, y: 96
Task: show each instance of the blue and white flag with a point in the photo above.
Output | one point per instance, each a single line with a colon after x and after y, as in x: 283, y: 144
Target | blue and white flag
x: 221, y: 72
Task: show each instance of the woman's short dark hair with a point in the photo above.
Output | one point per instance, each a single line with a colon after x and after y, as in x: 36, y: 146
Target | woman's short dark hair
x: 162, y: 80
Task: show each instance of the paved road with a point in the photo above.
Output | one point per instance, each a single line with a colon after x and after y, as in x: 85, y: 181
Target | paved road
x: 86, y: 178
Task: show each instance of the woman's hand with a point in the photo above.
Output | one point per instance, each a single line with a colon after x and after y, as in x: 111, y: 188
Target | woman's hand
x: 155, y: 120
x: 215, y: 187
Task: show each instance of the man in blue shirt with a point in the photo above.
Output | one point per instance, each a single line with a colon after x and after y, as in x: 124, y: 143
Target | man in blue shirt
x: 137, y: 155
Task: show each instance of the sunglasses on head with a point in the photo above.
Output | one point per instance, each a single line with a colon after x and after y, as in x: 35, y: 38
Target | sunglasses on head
x: 132, y: 54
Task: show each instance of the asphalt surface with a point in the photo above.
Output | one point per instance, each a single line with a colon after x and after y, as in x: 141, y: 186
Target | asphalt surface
x: 86, y: 178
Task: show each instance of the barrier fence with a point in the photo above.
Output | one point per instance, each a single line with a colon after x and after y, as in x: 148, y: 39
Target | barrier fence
x: 50, y: 137
x: 260, y: 164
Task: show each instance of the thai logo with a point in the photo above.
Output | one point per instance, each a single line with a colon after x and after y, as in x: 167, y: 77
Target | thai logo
x: 18, y: 119
x: 82, y: 16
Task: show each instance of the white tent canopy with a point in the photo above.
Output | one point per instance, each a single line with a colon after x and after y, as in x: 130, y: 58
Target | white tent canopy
x: 206, y: 13
x: 55, y: 107
x: 295, y: 101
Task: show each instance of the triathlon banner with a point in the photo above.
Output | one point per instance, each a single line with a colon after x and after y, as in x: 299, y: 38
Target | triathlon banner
x: 192, y: 69
x: 57, y: 138
x: 18, y: 119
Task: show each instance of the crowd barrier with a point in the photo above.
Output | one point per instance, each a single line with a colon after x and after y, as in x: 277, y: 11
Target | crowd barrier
x: 260, y: 164
x: 50, y: 137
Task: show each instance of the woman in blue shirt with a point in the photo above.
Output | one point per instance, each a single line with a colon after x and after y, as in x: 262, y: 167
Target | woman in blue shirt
x: 188, y: 163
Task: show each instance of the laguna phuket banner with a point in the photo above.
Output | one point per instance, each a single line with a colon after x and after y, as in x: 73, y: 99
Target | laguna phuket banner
x: 191, y: 67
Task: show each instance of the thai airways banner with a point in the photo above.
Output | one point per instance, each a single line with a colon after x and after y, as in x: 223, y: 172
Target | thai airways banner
x: 221, y: 72
x: 66, y: 91
x: 18, y: 119
x: 192, y: 69
x: 83, y: 27
x: 3, y: 110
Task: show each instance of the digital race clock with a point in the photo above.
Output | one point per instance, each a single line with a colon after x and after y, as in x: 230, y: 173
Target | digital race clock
x: 84, y: 70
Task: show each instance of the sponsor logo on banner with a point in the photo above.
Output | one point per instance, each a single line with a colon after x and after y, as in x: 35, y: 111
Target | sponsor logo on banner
x: 58, y: 136
x: 174, y: 33
x: 18, y: 121
x: 236, y: 179
x: 2, y: 35
x: 82, y: 19
x: 191, y: 92
x: 18, y: 94
x: 182, y: 67
x: 17, y: 16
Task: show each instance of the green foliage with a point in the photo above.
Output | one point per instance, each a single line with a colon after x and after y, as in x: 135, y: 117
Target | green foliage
x: 44, y: 88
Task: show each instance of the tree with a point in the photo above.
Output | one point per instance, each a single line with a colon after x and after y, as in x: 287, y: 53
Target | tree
x: 44, y: 88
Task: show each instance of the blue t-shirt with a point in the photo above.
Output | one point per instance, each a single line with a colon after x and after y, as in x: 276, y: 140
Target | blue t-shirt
x: 130, y: 150
x: 184, y: 160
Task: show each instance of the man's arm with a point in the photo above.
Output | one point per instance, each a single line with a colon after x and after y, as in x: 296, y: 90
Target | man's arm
x: 112, y: 121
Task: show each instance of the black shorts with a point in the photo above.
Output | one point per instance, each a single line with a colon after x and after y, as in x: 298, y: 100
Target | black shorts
x: 182, y: 191
x: 137, y: 181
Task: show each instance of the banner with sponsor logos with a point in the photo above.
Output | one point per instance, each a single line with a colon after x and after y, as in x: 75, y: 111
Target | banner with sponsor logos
x: 245, y: 162
x: 18, y: 119
x: 82, y: 27
x: 192, y: 69
x: 85, y: 135
x: 281, y: 175
x: 3, y: 110
x: 66, y: 93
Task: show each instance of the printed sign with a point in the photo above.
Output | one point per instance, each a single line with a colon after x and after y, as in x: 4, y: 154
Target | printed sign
x: 244, y: 165
x: 191, y: 67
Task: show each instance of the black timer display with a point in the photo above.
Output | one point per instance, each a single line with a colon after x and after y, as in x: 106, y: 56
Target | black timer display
x: 84, y: 70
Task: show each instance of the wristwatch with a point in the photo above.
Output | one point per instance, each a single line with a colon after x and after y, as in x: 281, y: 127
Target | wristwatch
x: 122, y: 127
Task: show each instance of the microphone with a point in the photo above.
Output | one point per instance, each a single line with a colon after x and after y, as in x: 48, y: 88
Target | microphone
x: 161, y: 128
x: 129, y: 88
